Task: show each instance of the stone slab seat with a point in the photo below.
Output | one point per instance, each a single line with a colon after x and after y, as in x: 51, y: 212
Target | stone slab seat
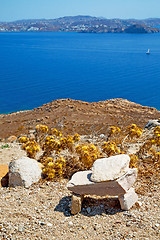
x: 81, y: 184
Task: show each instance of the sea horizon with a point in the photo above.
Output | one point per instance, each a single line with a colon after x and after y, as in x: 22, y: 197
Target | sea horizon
x: 40, y: 67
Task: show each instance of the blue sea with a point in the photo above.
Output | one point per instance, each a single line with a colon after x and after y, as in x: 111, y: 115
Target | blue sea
x: 38, y: 67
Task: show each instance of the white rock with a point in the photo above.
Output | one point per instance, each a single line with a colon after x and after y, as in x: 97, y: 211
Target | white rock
x: 23, y: 172
x: 128, y: 199
x: 106, y: 169
x: 152, y: 124
x: 70, y: 223
x: 49, y: 224
x: 157, y: 225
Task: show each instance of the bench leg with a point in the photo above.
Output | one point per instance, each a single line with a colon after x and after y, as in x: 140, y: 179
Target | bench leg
x: 128, y: 199
x: 76, y: 203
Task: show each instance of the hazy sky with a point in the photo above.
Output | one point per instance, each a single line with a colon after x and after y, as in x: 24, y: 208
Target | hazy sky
x: 31, y: 9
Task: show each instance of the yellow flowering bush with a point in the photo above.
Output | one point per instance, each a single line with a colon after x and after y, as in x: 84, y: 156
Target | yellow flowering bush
x: 69, y: 142
x: 40, y: 133
x: 134, y: 131
x: 51, y: 144
x: 53, y: 168
x: 87, y: 153
x: 42, y: 128
x: 113, y: 130
x: 31, y: 148
x: 153, y: 141
x: 76, y: 137
x: 56, y: 133
x: 110, y: 148
x: 133, y: 161
x: 156, y: 136
x: 57, y: 144
x: 23, y: 139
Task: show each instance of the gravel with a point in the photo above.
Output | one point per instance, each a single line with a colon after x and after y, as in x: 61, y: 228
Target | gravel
x: 42, y: 211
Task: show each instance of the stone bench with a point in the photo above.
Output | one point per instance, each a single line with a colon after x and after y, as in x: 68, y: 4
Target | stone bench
x: 81, y: 184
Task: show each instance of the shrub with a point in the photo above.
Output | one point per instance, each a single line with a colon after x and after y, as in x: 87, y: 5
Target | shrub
x: 134, y: 131
x: 23, y: 139
x: 88, y: 153
x: 110, y: 148
x: 31, y: 148
x: 54, y: 168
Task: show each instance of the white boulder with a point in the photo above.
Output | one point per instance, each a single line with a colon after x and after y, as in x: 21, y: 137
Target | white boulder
x: 24, y: 172
x: 107, y: 169
x: 152, y: 124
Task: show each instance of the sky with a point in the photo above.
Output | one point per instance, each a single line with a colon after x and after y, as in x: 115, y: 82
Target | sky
x: 11, y: 10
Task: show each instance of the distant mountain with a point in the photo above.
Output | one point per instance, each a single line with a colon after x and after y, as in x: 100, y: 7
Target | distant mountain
x: 139, y: 28
x: 83, y: 24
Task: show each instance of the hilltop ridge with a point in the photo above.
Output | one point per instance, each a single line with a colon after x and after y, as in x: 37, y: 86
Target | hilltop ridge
x: 85, y: 24
x: 78, y: 116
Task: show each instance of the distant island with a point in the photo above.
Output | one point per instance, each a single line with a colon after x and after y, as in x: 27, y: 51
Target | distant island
x: 83, y: 24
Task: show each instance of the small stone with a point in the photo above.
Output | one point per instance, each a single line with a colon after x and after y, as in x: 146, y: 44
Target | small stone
x: 42, y: 223
x: 157, y: 225
x: 102, y: 136
x: 138, y: 204
x: 49, y: 224
x: 20, y: 229
x: 127, y: 214
x: 70, y: 223
x: 128, y: 224
x: 88, y: 210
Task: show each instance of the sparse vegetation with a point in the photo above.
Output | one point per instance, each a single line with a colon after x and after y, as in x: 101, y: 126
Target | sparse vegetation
x: 64, y: 155
x: 5, y: 146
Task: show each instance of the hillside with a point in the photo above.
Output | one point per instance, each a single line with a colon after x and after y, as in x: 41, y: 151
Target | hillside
x: 81, y: 24
x: 43, y: 210
x: 73, y: 116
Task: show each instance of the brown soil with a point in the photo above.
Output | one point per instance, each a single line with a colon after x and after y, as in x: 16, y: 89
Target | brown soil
x: 77, y: 116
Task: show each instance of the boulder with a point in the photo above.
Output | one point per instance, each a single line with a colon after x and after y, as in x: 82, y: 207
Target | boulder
x: 3, y: 175
x: 107, y: 169
x: 24, y: 172
x: 152, y: 124
x: 81, y: 184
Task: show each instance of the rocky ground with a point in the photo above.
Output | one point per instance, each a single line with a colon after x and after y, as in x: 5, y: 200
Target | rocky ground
x: 42, y: 211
